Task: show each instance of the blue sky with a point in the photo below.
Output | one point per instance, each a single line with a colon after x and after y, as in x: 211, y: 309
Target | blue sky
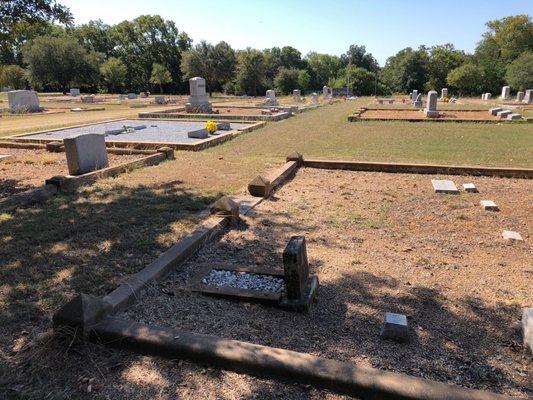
x: 383, y: 26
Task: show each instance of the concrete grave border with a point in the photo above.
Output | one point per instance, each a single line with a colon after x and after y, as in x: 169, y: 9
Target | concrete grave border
x: 98, y: 325
x: 199, y: 145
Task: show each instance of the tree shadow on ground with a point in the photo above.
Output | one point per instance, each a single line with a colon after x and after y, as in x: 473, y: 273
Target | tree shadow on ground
x: 10, y: 187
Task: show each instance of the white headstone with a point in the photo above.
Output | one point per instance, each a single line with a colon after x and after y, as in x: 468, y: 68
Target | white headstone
x: 414, y: 95
x: 444, y: 93
x: 74, y: 92
x: 506, y: 92
x: 23, y: 100
x: 520, y: 96
x: 325, y: 91
x: 470, y: 187
x: 86, y: 153
x: 296, y: 94
x: 431, y: 104
x: 314, y: 99
x: 198, y: 100
x: 444, y: 186
x: 271, y: 94
x: 528, y: 98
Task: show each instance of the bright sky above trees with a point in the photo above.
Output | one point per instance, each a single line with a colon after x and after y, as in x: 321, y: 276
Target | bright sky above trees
x: 383, y: 26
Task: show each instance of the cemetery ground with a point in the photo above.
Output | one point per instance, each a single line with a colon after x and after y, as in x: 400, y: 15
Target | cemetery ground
x: 88, y: 240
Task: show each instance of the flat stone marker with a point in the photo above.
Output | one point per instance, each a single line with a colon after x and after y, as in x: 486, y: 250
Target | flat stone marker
x: 3, y: 157
x: 489, y: 205
x: 444, y: 186
x: 85, y: 153
x: 470, y: 187
x: 504, y: 113
x: 512, y: 235
x: 395, y: 327
x: 527, y: 329
x: 223, y: 126
x: 514, y: 117
x: 495, y: 110
x: 198, y: 134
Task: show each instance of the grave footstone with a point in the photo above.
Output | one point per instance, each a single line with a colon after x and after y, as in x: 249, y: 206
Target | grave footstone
x: 514, y: 117
x: 512, y: 236
x: 85, y: 153
x: 443, y: 93
x: 395, y: 327
x: 504, y: 113
x: 506, y: 92
x: 519, y: 96
x: 527, y: 329
x: 444, y: 186
x: 198, y: 100
x: 431, y: 105
x: 223, y: 126
x: 23, y: 101
x: 74, y: 92
x: 470, y: 187
x: 198, y: 134
x: 489, y: 205
x: 226, y: 206
x: 495, y: 110
x: 528, y: 98
x: 300, y: 287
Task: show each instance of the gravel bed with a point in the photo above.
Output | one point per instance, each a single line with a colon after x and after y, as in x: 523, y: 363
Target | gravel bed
x: 244, y: 280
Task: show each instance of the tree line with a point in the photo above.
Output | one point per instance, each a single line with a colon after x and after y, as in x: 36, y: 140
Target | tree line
x: 45, y: 50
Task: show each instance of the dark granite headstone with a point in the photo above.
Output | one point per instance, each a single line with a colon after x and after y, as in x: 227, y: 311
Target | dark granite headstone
x: 296, y: 267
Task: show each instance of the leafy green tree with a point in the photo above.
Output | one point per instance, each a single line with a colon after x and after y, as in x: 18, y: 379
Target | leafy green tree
x: 113, y: 72
x: 291, y: 58
x: 442, y: 59
x: 59, y: 62
x: 146, y: 40
x: 251, y: 76
x: 96, y: 36
x: 406, y: 70
x: 520, y: 72
x: 286, y: 80
x: 322, y: 68
x: 216, y: 64
x: 303, y: 79
x: 358, y: 57
x: 12, y: 76
x: 466, y: 79
x: 160, y: 76
x: 272, y: 63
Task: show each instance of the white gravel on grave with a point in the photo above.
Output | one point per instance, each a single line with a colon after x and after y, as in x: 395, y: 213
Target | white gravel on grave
x: 243, y: 280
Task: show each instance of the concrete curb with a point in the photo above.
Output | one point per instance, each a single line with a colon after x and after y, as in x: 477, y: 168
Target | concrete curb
x: 253, y: 359
x: 221, y: 117
x: 263, y: 185
x: 419, y: 168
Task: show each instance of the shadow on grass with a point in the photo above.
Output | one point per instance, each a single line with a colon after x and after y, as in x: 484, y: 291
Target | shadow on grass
x: 9, y: 187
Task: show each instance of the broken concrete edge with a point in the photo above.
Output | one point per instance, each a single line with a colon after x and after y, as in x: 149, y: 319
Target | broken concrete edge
x: 226, y: 206
x: 28, y: 197
x: 524, y: 173
x: 69, y: 182
x: 263, y: 185
x: 269, y: 362
x: 130, y: 289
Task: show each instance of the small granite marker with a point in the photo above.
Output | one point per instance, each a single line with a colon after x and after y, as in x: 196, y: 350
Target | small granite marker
x: 444, y: 186
x: 504, y: 113
x: 74, y: 92
x: 395, y: 327
x: 198, y: 134
x: 514, y: 117
x: 495, y: 110
x: 470, y: 187
x: 519, y: 96
x: 85, y: 153
x: 512, y: 235
x: 489, y: 205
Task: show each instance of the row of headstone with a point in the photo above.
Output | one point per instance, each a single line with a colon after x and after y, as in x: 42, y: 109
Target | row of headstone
x: 507, y: 114
x: 23, y: 101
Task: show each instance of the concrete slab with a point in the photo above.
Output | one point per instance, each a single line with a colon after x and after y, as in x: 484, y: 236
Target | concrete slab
x: 504, y: 114
x: 514, y: 117
x: 512, y: 236
x: 489, y: 205
x: 470, y: 187
x: 444, y: 186
x: 495, y: 110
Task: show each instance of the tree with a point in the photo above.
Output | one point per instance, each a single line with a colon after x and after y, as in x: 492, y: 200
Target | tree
x: 442, y: 59
x: 358, y: 57
x: 291, y: 58
x: 160, y: 76
x: 113, y: 72
x: 286, y: 80
x: 96, y: 36
x: 13, y: 12
x: 303, y: 79
x: 322, y: 68
x: 520, y: 72
x: 466, y: 79
x: 59, y: 62
x: 13, y: 76
x: 250, y: 71
x: 406, y: 70
x: 272, y: 63
x: 146, y: 40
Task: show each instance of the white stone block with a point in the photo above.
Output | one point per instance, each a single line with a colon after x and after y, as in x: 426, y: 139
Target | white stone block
x: 470, y: 187
x: 86, y: 153
x: 444, y: 186
x: 489, y: 205
x: 512, y: 235
x: 23, y: 100
x: 514, y: 117
x: 506, y: 92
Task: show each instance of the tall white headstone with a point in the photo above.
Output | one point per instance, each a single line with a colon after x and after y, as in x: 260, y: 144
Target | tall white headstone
x: 431, y: 105
x: 23, y: 101
x: 506, y: 92
x: 528, y: 98
x: 414, y: 95
x: 198, y: 100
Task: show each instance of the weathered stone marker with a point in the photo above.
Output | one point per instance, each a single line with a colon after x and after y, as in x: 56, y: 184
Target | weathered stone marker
x: 431, y: 105
x: 87, y: 99
x: 226, y: 206
x: 443, y: 93
x: 444, y: 186
x: 504, y: 113
x: 512, y: 236
x: 223, y: 126
x: 74, y: 92
x: 198, y: 134
x: 159, y: 99
x: 296, y: 95
x: 132, y: 96
x: 198, y: 100
x: 23, y: 101
x: 514, y: 117
x: 495, y: 110
x: 527, y: 329
x: 395, y: 327
x: 489, y: 205
x: 470, y: 187
x: 259, y: 186
x: 314, y: 99
x: 325, y: 91
x: 418, y: 101
x: 414, y: 95
x: 506, y: 92
x: 271, y: 98
x: 519, y: 96
x: 300, y: 288
x: 85, y: 153
x: 528, y: 98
